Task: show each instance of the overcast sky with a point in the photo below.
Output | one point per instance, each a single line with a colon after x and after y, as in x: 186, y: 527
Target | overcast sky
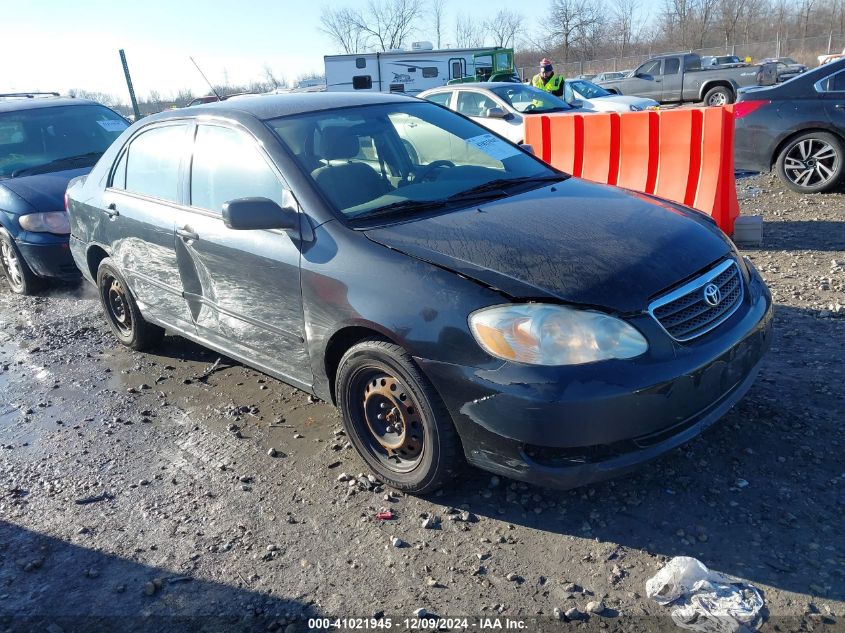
x: 61, y: 44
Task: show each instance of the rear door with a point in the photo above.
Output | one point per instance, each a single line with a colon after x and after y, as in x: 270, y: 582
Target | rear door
x: 672, y: 80
x: 140, y: 206
x: 242, y: 287
x: 832, y: 89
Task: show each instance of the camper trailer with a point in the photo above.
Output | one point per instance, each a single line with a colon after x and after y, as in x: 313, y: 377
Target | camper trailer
x: 412, y: 71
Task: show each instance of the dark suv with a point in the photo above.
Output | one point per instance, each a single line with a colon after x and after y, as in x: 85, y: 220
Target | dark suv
x: 45, y: 140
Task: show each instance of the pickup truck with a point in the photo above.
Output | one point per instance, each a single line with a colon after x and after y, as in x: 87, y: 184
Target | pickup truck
x: 680, y: 78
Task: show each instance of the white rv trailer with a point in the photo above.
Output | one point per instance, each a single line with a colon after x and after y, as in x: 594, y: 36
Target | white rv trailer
x: 409, y: 72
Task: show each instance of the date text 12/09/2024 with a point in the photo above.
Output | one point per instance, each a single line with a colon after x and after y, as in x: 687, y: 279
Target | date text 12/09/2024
x: 425, y: 623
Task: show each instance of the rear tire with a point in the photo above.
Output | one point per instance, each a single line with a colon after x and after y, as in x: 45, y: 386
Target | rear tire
x: 19, y: 276
x: 121, y: 310
x: 395, y: 419
x: 719, y: 96
x: 812, y: 162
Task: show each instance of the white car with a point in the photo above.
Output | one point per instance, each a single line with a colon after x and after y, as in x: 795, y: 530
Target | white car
x: 498, y: 105
x: 592, y: 98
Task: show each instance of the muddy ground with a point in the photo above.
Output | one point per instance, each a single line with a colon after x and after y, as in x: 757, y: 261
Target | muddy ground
x: 136, y: 493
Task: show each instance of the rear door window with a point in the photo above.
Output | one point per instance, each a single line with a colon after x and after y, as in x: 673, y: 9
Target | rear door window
x: 441, y: 98
x: 228, y: 165
x: 152, y: 167
x: 672, y: 66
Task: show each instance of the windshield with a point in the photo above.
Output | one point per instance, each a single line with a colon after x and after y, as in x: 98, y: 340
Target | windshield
x: 588, y: 90
x: 39, y: 140
x: 528, y: 99
x: 402, y: 157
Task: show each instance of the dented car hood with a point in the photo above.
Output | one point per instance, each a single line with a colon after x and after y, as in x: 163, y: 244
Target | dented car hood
x: 575, y: 241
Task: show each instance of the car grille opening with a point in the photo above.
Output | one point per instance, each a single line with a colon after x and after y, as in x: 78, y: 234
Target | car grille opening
x: 700, y: 305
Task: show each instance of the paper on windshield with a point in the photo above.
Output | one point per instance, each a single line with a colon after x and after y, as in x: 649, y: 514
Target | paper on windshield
x: 112, y: 125
x: 493, y: 147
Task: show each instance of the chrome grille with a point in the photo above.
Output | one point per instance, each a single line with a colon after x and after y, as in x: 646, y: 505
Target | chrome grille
x: 685, y: 313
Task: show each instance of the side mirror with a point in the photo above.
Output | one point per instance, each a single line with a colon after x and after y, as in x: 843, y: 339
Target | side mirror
x: 249, y: 214
x: 497, y: 113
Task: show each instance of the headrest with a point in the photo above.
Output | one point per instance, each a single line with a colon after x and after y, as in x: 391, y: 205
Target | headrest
x: 339, y: 142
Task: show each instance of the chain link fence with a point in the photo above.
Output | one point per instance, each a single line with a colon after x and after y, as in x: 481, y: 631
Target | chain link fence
x: 803, y: 50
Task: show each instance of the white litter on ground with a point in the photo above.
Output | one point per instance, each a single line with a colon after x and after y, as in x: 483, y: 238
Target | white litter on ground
x: 705, y: 600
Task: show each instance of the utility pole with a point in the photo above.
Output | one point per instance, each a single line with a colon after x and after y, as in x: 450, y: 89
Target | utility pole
x: 129, y: 85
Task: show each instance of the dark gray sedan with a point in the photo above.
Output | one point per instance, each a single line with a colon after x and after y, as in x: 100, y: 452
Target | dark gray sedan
x: 453, y: 295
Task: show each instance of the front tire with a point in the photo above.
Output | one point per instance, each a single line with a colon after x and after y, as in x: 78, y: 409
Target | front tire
x: 811, y: 163
x: 21, y: 279
x: 719, y: 96
x: 395, y: 419
x: 121, y: 310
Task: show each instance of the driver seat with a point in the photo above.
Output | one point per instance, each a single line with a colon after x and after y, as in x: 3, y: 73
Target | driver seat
x: 346, y: 183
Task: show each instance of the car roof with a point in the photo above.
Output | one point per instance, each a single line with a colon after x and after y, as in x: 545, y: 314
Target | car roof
x: 31, y: 103
x: 480, y: 85
x: 271, y: 106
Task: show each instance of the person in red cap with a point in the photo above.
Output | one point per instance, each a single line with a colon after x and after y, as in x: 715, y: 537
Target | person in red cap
x: 547, y: 80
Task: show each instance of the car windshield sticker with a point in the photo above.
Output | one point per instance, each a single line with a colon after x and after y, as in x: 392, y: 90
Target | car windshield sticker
x: 112, y: 125
x: 493, y: 147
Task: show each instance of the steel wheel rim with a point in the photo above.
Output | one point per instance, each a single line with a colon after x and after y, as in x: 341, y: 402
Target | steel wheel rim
x: 117, y: 305
x: 810, y: 162
x: 11, y: 264
x: 388, y: 419
x: 718, y: 99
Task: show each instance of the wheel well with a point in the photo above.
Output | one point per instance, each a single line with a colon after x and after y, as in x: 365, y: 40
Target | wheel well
x: 786, y: 140
x: 337, y: 346
x: 716, y: 84
x: 94, y: 256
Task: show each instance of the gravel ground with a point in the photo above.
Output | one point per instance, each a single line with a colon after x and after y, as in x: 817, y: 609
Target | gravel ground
x: 136, y: 492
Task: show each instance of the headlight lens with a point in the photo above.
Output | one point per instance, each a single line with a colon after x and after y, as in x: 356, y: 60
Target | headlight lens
x: 540, y: 334
x: 52, y: 222
x: 635, y: 108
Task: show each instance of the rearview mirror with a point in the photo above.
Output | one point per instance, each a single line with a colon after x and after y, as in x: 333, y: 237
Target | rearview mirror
x: 497, y: 113
x: 249, y: 214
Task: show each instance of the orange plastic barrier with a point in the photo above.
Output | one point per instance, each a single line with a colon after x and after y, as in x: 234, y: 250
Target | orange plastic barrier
x: 684, y: 155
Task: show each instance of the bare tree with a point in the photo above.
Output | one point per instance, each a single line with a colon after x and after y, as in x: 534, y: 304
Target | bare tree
x: 469, y: 31
x: 341, y: 25
x: 504, y: 27
x: 388, y: 22
x: 271, y: 80
x: 730, y: 11
x: 438, y: 10
x: 622, y: 26
x: 570, y: 20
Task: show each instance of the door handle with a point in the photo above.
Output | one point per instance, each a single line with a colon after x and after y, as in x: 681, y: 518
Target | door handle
x: 187, y: 234
x: 112, y: 211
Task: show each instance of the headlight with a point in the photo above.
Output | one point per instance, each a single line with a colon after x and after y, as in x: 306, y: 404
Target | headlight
x: 635, y: 108
x: 538, y: 334
x: 52, y: 222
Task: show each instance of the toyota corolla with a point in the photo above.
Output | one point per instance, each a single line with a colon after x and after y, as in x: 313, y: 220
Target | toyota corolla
x: 453, y: 295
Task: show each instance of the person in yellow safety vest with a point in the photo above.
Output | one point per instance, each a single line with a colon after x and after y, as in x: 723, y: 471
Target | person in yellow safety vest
x: 547, y: 80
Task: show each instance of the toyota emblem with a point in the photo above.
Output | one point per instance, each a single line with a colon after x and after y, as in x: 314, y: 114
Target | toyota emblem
x: 712, y: 295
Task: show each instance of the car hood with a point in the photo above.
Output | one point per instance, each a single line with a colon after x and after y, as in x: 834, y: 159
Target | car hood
x: 576, y: 241
x: 610, y: 101
x: 43, y: 192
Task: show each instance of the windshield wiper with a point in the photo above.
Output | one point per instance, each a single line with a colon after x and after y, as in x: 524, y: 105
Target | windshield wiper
x: 46, y: 166
x: 500, y: 184
x: 398, y: 208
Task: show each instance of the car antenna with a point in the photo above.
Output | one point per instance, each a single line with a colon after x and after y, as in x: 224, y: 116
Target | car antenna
x: 216, y: 94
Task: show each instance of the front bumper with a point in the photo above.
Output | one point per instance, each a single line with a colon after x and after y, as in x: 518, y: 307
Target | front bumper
x: 47, y: 255
x: 569, y: 426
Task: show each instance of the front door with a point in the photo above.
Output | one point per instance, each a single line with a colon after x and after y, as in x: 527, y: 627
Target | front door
x: 242, y: 287
x: 646, y: 81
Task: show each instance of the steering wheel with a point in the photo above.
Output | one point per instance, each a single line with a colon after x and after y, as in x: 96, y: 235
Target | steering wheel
x: 428, y: 169
x: 530, y: 107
